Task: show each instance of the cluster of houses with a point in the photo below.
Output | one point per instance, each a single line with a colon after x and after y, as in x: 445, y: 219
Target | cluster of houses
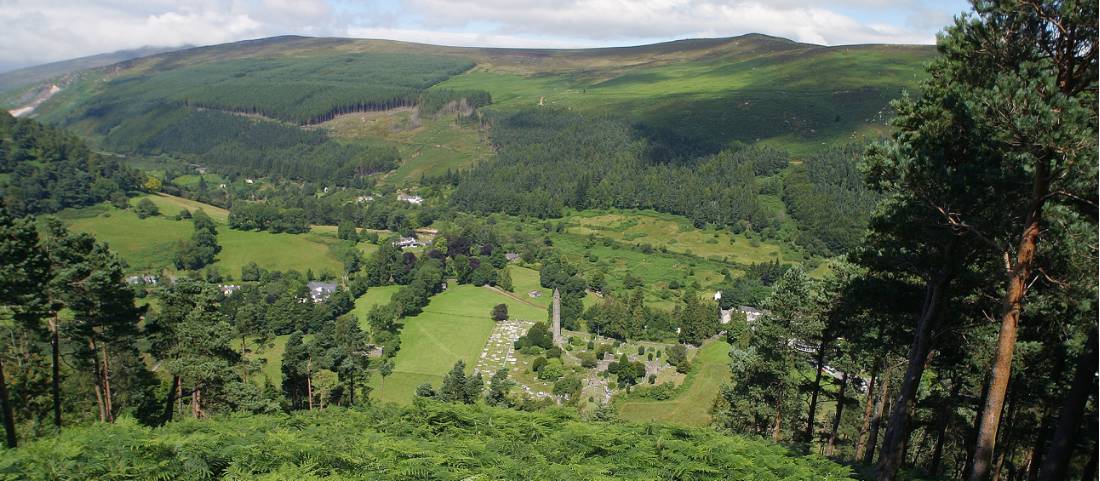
x: 320, y: 291
x: 143, y: 280
x: 406, y: 242
x: 412, y: 199
x: 414, y: 241
x: 725, y: 315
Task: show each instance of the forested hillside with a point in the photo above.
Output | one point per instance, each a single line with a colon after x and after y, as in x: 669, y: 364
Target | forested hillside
x: 45, y: 169
x: 550, y: 159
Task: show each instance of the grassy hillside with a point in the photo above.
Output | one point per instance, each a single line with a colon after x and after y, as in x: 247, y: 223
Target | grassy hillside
x: 149, y: 244
x: 656, y: 248
x: 38, y: 73
x: 424, y: 441
x: 691, y: 405
x: 702, y: 93
x: 454, y: 326
x: 429, y: 145
x: 750, y: 89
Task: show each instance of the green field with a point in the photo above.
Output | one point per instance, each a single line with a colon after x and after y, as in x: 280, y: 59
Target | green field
x: 674, y: 233
x: 374, y: 296
x: 692, y: 405
x: 429, y: 146
x: 192, y: 180
x: 525, y: 280
x: 453, y: 326
x: 149, y: 244
x: 170, y: 205
x: 273, y: 361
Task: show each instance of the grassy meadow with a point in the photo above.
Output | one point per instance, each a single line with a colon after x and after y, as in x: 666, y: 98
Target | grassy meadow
x: 674, y: 233
x: 374, y: 296
x: 429, y: 146
x: 453, y: 326
x: 148, y: 244
x: 691, y: 406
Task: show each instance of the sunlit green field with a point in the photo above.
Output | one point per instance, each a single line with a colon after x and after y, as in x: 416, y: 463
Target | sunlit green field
x: 429, y: 146
x: 374, y: 296
x: 675, y: 233
x: 525, y: 280
x: 453, y: 326
x: 149, y: 244
x: 692, y: 405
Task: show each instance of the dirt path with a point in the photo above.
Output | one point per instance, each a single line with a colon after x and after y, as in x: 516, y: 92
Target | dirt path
x: 514, y: 297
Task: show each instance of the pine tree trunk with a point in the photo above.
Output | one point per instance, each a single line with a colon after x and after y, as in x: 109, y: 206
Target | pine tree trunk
x: 808, y: 435
x: 778, y: 423
x: 941, y: 429
x: 830, y: 448
x: 1039, y: 449
x: 97, y: 383
x: 244, y: 366
x: 1046, y: 428
x: 897, y: 432
x: 998, y: 466
x: 876, y: 422
x: 196, y: 402
x: 1056, y: 460
x: 171, y: 399
x: 309, y: 382
x: 351, y: 389
x: 868, y: 410
x: 1010, y: 318
x: 108, y: 404
x: 5, y: 405
x: 55, y: 371
x: 1008, y: 435
x: 969, y: 465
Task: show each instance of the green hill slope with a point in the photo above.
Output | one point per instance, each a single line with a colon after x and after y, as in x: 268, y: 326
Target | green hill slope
x: 691, y: 97
x: 424, y: 441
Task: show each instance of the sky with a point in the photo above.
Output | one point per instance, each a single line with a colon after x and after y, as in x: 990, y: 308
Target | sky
x: 41, y: 31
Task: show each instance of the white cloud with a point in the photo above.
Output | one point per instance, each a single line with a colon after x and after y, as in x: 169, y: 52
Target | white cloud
x: 465, y: 39
x: 37, y: 31
x: 651, y: 19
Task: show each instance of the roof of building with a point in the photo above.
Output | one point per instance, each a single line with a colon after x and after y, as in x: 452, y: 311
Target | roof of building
x: 324, y: 286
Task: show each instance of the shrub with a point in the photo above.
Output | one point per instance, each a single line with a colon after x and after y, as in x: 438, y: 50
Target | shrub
x: 538, y: 364
x: 588, y: 359
x: 552, y: 370
x: 146, y: 208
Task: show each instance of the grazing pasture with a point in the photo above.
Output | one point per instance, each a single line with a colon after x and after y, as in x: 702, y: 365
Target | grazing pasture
x: 454, y: 326
x: 149, y: 244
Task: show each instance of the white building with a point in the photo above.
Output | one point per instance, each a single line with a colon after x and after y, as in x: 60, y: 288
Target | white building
x: 412, y: 199
x: 320, y: 291
x: 407, y: 242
